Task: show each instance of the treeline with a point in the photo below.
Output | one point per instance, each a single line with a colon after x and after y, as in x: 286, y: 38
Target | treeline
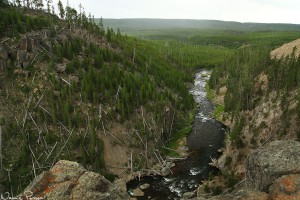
x: 14, y: 20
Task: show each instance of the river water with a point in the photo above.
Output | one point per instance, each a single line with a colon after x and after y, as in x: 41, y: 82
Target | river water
x: 205, y: 139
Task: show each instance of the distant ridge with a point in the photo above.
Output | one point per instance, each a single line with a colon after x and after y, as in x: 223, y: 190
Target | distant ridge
x: 132, y: 24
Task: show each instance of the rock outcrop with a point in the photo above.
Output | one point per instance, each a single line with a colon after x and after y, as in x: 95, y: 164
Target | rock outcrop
x: 274, y: 160
x: 70, y: 180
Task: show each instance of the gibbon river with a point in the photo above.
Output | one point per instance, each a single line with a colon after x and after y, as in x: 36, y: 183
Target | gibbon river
x: 205, y: 139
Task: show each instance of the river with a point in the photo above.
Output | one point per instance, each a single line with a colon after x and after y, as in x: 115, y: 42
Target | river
x: 205, y: 139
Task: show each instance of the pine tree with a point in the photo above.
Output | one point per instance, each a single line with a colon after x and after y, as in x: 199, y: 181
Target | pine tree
x: 18, y: 3
x: 61, y: 9
x: 100, y: 24
x: 49, y: 2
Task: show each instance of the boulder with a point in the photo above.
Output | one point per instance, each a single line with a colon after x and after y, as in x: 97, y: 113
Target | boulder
x: 91, y: 186
x: 138, y: 193
x: 70, y: 180
x: 270, y: 162
x: 188, y: 195
x: 165, y: 171
x: 60, y: 68
x: 65, y: 170
x: 144, y: 186
x: 118, y: 190
x: 73, y: 79
x: 286, y: 187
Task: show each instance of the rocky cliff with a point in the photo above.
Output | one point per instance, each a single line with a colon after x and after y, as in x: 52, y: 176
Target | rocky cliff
x: 261, y: 154
x: 272, y: 172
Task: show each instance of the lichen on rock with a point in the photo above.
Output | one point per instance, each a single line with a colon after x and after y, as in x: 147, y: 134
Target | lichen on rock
x: 274, y: 160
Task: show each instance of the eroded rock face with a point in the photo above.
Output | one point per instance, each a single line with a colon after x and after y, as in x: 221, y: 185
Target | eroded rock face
x: 70, y: 180
x: 272, y: 161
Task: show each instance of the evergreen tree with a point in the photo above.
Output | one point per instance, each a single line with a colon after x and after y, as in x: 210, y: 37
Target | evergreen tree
x: 49, y: 2
x: 18, y: 3
x: 100, y: 24
x: 61, y: 9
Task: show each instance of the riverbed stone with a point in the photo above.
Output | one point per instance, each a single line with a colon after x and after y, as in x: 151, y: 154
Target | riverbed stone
x: 138, y: 192
x: 145, y: 186
x: 188, y: 195
x: 165, y: 171
x: 270, y: 162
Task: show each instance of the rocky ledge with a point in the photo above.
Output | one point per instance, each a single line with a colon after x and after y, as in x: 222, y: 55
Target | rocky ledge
x: 70, y: 180
x: 272, y: 173
x: 269, y: 163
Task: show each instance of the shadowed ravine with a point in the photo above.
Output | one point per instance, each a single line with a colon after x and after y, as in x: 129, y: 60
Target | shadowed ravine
x: 205, y: 139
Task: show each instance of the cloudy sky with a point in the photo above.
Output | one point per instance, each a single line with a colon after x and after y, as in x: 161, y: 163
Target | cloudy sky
x: 269, y: 11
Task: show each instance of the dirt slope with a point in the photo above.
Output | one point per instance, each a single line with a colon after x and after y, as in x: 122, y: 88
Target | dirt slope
x: 286, y: 50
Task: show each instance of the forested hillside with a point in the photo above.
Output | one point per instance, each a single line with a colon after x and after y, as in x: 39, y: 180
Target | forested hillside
x: 71, y: 89
x: 258, y: 97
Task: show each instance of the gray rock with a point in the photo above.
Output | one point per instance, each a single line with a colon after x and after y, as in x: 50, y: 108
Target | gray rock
x: 145, y: 186
x: 170, y: 164
x: 60, y: 68
x: 65, y: 170
x: 91, y: 186
x: 188, y: 195
x: 165, y: 171
x: 74, y: 79
x: 118, y: 190
x: 272, y: 161
x: 138, y: 192
x: 221, y: 162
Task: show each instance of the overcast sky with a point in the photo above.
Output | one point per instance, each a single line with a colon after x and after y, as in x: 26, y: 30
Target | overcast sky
x: 269, y: 11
